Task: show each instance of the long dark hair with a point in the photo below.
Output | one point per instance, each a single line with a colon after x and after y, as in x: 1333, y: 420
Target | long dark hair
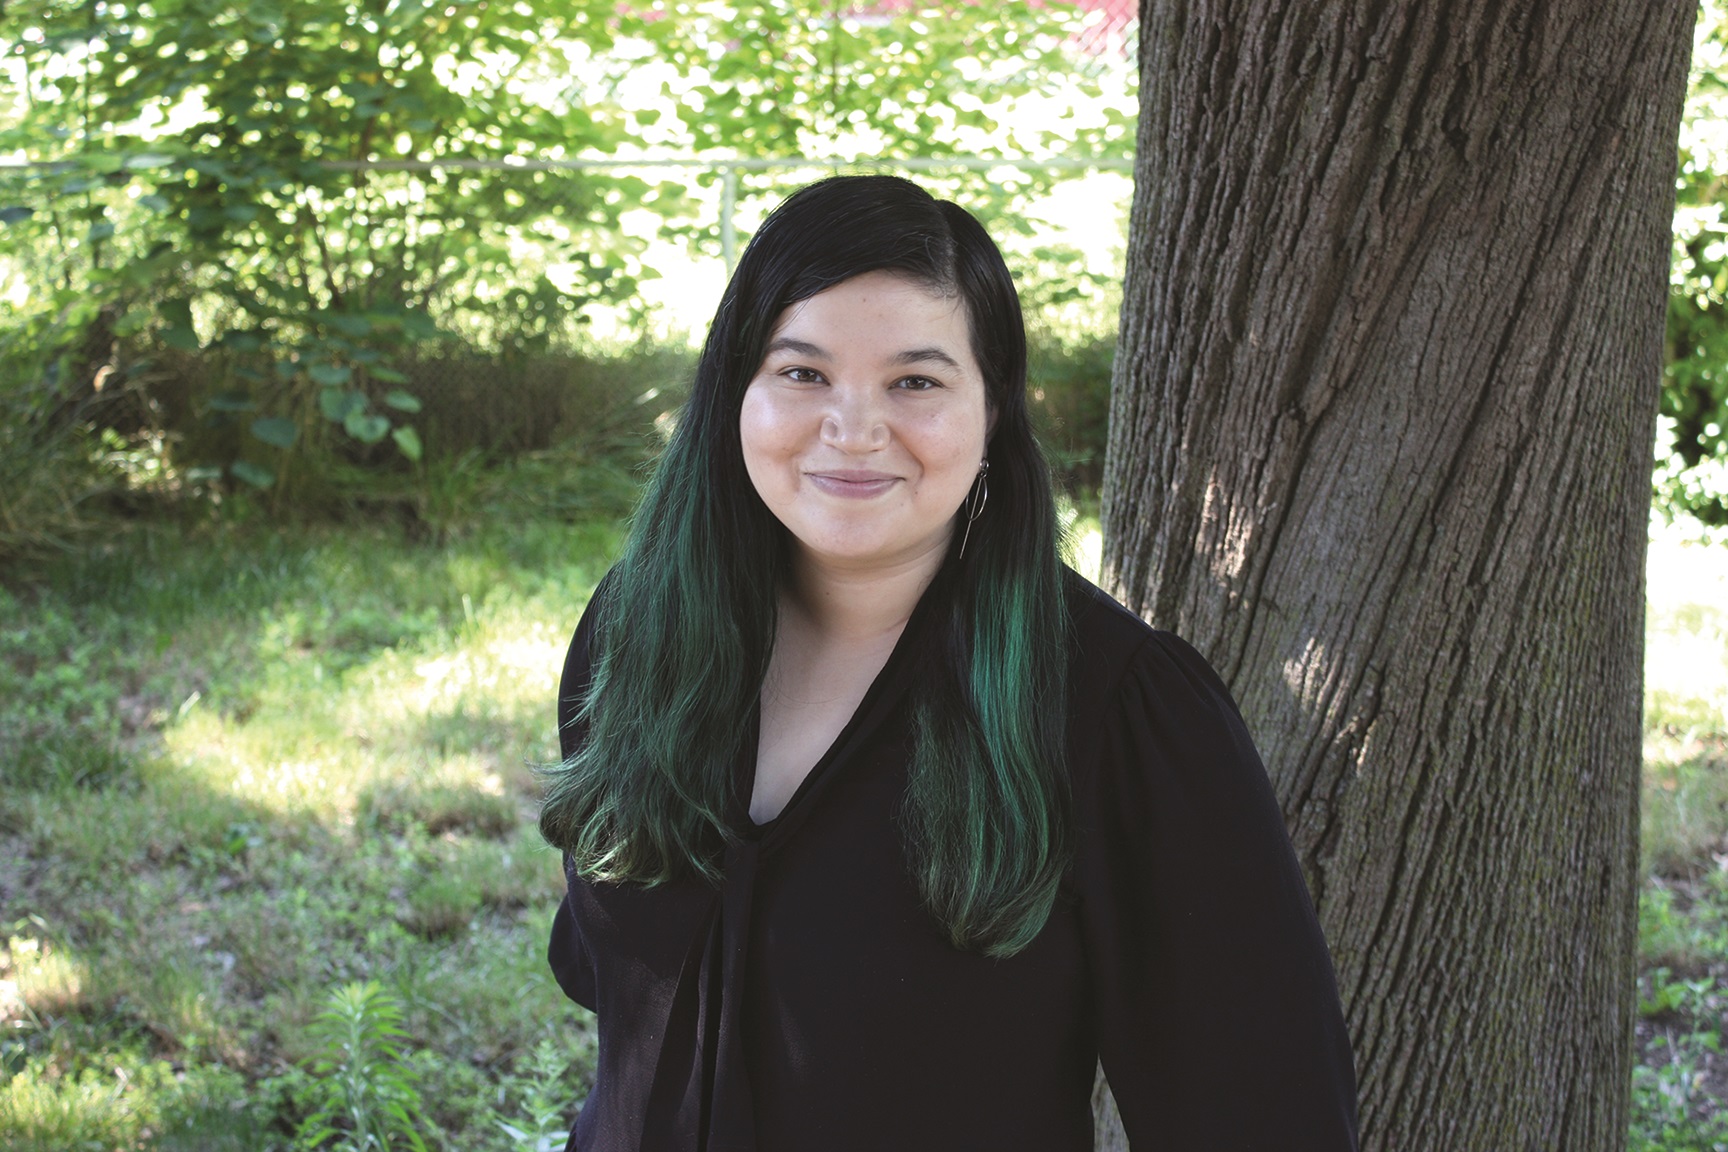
x: 686, y: 627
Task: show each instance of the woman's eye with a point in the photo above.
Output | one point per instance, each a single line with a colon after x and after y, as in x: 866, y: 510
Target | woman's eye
x: 918, y: 384
x: 802, y: 375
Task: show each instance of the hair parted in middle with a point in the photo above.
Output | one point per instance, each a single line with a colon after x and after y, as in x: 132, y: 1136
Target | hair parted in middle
x: 686, y: 620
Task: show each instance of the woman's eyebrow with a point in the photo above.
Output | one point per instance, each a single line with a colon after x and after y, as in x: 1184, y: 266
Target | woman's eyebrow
x: 797, y: 347
x: 927, y: 356
x: 931, y: 355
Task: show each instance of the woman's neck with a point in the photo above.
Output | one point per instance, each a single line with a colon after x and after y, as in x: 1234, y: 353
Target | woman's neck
x: 858, y: 604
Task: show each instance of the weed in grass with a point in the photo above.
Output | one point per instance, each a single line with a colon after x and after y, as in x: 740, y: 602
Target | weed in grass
x: 166, y: 821
x: 303, y: 727
x: 1672, y: 1110
x: 456, y: 879
x: 269, y: 937
x: 472, y: 729
x: 177, y: 1003
x: 364, y: 1090
x: 68, y: 759
x: 488, y: 996
x: 541, y: 1098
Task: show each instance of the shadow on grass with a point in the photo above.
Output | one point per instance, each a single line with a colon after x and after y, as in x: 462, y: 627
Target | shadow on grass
x: 235, y: 791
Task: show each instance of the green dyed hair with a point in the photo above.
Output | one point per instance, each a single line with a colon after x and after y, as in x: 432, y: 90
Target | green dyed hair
x: 686, y: 621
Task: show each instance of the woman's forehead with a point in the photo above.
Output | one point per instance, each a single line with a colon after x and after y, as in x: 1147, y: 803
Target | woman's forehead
x: 880, y: 295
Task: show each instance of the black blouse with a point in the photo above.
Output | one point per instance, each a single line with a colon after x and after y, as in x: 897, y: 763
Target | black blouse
x: 811, y: 1004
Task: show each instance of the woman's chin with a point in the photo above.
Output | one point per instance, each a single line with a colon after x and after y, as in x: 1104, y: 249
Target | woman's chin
x: 853, y: 554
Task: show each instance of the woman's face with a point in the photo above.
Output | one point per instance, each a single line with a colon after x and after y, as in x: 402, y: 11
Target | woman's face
x: 865, y: 424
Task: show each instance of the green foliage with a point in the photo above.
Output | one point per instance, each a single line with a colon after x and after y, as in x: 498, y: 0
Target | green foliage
x: 542, y: 1095
x: 216, y: 191
x: 365, y: 1088
x: 277, y: 187
x: 1692, y: 444
x: 51, y: 465
x: 1069, y: 389
x: 1683, y: 947
x: 848, y: 84
x: 118, y: 1099
x: 1660, y: 994
x: 797, y: 78
x: 1672, y: 1109
x: 1672, y: 1105
x: 1673, y: 934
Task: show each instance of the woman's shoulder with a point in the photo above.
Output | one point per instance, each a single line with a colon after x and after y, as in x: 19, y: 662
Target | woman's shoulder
x: 1107, y: 643
x: 1141, y: 698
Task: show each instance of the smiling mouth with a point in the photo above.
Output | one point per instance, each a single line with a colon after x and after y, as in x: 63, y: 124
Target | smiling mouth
x: 852, y: 485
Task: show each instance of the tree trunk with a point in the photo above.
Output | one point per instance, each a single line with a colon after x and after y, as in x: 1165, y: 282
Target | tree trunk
x: 1380, y: 447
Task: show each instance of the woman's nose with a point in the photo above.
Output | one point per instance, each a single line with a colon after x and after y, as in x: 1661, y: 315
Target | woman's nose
x: 855, y: 422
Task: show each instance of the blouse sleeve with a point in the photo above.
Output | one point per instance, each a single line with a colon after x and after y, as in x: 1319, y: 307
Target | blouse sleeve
x: 1217, y: 1011
x: 569, y: 959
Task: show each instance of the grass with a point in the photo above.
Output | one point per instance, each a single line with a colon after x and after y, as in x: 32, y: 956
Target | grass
x: 250, y: 767
x: 1680, y: 1086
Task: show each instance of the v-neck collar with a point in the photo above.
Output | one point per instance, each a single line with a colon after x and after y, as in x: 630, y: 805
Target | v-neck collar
x: 885, y: 691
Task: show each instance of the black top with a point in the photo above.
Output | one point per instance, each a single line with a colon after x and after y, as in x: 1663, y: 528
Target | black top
x: 811, y: 1004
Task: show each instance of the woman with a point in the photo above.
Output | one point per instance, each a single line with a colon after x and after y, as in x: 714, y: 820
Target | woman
x: 880, y: 827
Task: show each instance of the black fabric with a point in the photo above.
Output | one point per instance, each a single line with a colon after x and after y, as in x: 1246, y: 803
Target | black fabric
x: 811, y: 1004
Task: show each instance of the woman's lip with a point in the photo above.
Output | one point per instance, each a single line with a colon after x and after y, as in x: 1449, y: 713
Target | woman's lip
x: 855, y: 485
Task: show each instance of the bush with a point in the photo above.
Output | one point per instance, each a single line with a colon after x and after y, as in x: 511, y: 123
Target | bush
x: 1069, y: 386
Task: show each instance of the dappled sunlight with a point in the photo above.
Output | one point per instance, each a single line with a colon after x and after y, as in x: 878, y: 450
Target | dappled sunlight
x: 40, y: 980
x: 1223, y: 521
x: 1686, y: 632
x: 1308, y: 673
x: 115, y: 1100
x: 1088, y: 552
x: 514, y: 667
x: 1082, y: 539
x: 270, y: 761
x: 451, y: 707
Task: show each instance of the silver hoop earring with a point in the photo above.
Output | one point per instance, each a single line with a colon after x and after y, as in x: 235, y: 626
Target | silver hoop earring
x: 975, y: 501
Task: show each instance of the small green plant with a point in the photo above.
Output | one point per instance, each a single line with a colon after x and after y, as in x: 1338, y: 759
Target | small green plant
x: 1661, y: 994
x: 366, y: 1089
x: 1671, y: 1111
x: 539, y: 1125
x: 1679, y: 936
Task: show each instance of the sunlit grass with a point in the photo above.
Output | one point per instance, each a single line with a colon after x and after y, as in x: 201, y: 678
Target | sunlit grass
x: 272, y: 763
x: 1681, y: 1081
x: 117, y: 1099
x: 256, y: 764
x: 463, y: 699
x: 1686, y: 652
x: 44, y: 980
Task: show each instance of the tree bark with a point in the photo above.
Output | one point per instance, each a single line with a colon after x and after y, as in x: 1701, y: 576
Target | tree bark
x: 1380, y: 448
